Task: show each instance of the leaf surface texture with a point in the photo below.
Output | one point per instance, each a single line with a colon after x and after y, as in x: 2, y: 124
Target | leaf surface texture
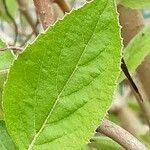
x: 65, y: 80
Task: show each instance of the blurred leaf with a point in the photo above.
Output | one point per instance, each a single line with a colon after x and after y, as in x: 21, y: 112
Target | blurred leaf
x: 136, y: 4
x: 114, y: 118
x: 146, y: 139
x: 6, y: 58
x: 12, y: 8
x: 3, y: 75
x: 6, y: 142
x: 137, y: 50
x: 104, y: 143
x: 134, y: 105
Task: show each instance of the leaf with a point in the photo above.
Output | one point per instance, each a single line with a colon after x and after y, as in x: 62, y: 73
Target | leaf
x: 146, y: 139
x: 137, y: 50
x: 11, y: 7
x: 2, y: 80
x: 64, y: 81
x: 104, y: 143
x: 114, y: 118
x: 136, y: 4
x: 6, y: 58
x: 6, y: 142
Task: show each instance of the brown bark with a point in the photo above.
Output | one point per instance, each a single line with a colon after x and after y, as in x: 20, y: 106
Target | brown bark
x: 144, y: 76
x: 44, y: 10
x: 121, y: 136
x: 131, y: 21
x: 63, y: 5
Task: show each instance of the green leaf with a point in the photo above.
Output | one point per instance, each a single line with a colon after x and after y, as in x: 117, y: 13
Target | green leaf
x: 2, y: 80
x: 146, y: 139
x: 11, y: 7
x: 6, y: 142
x: 136, y: 4
x: 6, y: 58
x: 104, y: 143
x: 137, y: 50
x: 60, y: 87
x: 114, y: 118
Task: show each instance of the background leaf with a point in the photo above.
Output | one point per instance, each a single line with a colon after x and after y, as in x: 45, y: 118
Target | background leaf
x: 2, y: 80
x: 12, y: 8
x: 104, y: 143
x: 137, y: 50
x: 6, y: 142
x: 6, y: 58
x: 65, y: 80
x: 146, y: 139
x: 136, y: 4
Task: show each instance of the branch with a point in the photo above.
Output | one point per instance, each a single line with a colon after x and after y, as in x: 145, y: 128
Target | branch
x: 121, y: 136
x: 131, y: 82
x: 132, y: 22
x: 11, y: 47
x: 63, y: 5
x: 45, y: 12
x: 138, y: 96
x: 25, y: 11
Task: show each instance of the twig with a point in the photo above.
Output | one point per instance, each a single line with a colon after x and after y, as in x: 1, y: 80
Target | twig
x: 13, y: 21
x: 121, y: 136
x: 24, y: 10
x: 136, y: 93
x: 12, y: 48
x: 63, y: 5
x: 131, y: 82
x: 45, y: 12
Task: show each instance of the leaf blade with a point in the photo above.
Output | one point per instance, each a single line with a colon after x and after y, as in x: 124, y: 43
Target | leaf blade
x: 6, y: 58
x: 136, y: 4
x: 137, y: 50
x: 12, y: 9
x: 6, y: 142
x: 66, y: 69
x: 105, y: 143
